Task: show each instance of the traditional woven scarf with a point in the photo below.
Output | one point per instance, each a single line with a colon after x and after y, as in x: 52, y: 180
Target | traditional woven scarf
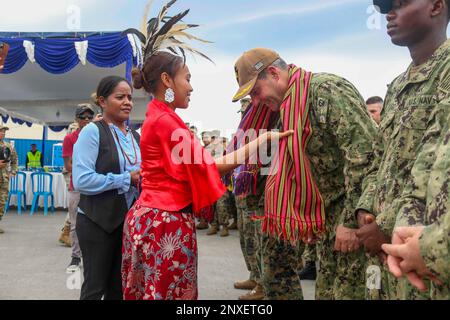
x: 245, y: 177
x: 293, y: 203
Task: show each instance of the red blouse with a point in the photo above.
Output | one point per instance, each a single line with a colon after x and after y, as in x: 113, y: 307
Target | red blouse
x: 176, y: 170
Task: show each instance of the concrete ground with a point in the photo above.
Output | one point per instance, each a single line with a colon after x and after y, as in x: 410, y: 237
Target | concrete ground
x: 33, y: 263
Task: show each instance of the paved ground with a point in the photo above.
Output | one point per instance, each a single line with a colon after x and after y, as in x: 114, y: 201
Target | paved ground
x: 32, y: 263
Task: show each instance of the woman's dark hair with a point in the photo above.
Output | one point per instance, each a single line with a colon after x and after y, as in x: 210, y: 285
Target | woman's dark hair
x: 107, y: 85
x: 160, y: 62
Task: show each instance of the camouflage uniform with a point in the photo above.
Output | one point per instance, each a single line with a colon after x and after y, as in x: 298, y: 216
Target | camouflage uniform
x: 221, y: 207
x: 413, y: 117
x: 433, y: 213
x: 310, y: 253
x: 11, y: 168
x: 341, y: 155
x: 435, y: 248
x: 232, y: 209
x: 249, y: 234
x: 222, y: 210
x: 343, y: 163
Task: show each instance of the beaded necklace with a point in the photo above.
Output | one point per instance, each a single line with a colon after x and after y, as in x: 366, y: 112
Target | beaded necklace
x: 123, y: 152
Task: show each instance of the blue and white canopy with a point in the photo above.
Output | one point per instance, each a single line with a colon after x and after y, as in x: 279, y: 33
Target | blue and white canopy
x: 47, y: 74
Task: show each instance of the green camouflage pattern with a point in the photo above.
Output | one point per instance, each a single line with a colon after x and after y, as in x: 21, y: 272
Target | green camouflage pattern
x: 413, y: 118
x: 248, y: 235
x: 11, y: 169
x: 344, y: 166
x: 434, y: 214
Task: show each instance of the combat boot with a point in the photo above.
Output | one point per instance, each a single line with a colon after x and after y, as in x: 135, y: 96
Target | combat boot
x: 309, y: 271
x: 224, y: 232
x: 202, y: 225
x: 245, y: 285
x: 64, y: 238
x: 255, y: 294
x: 233, y: 226
x: 212, y: 230
x: 2, y: 231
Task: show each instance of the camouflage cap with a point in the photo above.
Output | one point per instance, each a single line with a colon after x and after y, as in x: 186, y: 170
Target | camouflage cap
x: 383, y: 6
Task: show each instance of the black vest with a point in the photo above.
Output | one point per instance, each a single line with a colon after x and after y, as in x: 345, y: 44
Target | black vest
x: 107, y: 209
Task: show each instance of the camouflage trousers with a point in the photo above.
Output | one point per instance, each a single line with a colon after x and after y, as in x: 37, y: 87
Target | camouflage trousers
x: 340, y: 275
x: 440, y: 292
x: 382, y: 285
x: 310, y: 253
x: 232, y: 207
x: 281, y: 264
x: 4, y: 185
x: 249, y: 236
x: 221, y: 212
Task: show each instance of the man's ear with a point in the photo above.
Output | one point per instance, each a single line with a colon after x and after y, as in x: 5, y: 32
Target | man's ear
x: 438, y: 7
x: 273, y: 72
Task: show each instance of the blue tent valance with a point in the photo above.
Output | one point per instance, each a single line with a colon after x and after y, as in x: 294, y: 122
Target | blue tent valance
x: 58, y: 54
x: 5, y: 119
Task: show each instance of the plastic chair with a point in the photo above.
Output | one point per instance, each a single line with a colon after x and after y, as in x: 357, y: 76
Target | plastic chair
x: 41, y: 188
x: 17, y: 188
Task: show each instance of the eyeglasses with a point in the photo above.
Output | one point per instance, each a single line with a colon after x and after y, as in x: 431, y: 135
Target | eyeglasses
x: 86, y: 117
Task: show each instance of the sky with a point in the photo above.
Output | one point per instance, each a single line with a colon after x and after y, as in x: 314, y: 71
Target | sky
x: 344, y: 37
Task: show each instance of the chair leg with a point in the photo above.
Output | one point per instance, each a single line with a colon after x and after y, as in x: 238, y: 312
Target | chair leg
x: 19, y: 204
x: 45, y: 205
x: 25, y: 201
x: 33, y: 205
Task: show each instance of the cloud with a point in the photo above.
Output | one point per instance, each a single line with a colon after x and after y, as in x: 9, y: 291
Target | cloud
x: 41, y: 15
x: 298, y: 9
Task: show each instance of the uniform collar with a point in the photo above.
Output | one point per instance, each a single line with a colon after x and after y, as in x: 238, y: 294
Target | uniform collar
x: 424, y: 71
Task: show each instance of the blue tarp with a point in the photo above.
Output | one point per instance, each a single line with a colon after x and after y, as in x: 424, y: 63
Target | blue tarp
x: 22, y: 146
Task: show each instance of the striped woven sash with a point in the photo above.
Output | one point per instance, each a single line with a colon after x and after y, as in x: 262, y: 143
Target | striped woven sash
x: 256, y: 117
x: 293, y: 203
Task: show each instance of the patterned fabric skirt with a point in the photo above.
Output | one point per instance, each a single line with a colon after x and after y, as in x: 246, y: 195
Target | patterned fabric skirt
x: 159, y: 255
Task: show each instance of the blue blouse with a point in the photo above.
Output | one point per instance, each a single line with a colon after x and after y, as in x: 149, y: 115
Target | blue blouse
x: 87, y: 181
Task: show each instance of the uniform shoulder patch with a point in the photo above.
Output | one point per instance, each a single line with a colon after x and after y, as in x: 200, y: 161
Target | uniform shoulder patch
x: 322, y: 109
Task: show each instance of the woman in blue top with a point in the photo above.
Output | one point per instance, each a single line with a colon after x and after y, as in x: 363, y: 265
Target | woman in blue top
x: 106, y: 168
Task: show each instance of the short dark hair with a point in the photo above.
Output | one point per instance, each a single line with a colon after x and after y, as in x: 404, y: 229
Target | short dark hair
x: 375, y: 99
x: 279, y: 63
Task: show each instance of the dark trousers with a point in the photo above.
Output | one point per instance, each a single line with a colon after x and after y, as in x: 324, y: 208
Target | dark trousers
x: 102, y: 260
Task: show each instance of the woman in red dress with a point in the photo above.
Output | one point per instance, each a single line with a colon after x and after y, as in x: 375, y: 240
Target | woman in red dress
x: 179, y: 177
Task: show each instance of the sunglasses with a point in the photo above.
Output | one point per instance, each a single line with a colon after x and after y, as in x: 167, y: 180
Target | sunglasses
x: 86, y: 117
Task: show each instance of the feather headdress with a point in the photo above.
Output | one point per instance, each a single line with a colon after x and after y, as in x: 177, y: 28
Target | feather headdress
x: 165, y: 33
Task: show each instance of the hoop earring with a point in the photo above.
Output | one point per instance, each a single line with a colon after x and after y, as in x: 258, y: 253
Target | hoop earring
x: 169, y: 95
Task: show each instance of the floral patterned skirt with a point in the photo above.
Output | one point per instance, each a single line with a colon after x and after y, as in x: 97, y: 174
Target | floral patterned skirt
x: 159, y: 255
